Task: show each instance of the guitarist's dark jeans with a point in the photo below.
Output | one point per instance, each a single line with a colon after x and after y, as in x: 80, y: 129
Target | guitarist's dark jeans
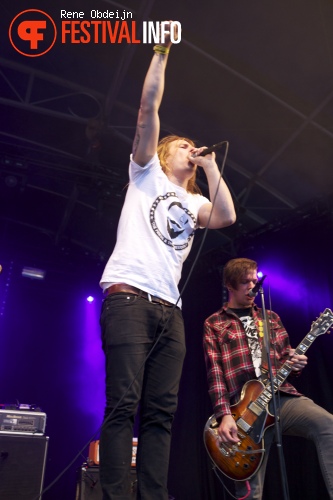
x: 300, y: 416
x: 130, y: 327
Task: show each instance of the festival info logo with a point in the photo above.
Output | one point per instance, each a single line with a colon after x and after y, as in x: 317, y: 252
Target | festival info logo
x: 32, y: 33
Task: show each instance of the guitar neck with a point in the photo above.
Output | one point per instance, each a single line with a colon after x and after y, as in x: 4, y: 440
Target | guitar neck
x: 286, y: 368
x: 259, y: 405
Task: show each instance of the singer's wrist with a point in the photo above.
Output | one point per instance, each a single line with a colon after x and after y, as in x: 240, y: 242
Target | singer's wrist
x: 161, y: 49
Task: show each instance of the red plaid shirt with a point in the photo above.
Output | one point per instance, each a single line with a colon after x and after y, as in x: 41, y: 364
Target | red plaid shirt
x: 228, y: 358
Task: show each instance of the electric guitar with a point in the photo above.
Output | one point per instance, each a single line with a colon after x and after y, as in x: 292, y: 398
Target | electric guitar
x: 242, y: 460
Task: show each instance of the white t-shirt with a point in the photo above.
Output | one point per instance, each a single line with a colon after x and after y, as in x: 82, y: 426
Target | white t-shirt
x: 155, y: 233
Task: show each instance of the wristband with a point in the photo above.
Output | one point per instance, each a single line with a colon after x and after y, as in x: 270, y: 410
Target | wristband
x: 160, y: 49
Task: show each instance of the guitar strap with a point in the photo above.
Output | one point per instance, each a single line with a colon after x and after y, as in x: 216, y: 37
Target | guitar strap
x: 264, y: 372
x: 264, y: 361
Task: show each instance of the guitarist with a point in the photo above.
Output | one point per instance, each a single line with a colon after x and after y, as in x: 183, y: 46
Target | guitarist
x: 233, y: 339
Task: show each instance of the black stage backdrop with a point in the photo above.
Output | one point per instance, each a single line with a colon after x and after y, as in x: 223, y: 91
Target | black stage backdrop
x: 50, y: 356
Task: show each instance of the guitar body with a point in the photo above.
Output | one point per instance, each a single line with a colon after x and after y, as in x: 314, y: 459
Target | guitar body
x: 240, y: 462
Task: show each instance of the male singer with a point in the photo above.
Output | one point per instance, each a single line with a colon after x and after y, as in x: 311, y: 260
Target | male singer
x: 142, y: 324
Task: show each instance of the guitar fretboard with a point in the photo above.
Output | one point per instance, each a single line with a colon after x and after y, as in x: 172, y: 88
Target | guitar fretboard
x: 321, y: 326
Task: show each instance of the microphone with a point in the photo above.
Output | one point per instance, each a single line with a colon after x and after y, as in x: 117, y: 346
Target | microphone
x: 257, y: 286
x: 213, y: 148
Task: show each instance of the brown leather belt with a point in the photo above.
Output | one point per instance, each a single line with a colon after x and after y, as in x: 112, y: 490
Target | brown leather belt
x: 124, y: 288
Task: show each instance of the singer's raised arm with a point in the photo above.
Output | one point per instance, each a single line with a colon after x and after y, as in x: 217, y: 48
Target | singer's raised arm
x: 148, y: 124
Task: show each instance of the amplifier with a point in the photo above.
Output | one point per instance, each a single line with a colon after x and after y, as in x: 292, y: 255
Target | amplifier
x: 88, y: 486
x: 22, y: 422
x: 23, y: 460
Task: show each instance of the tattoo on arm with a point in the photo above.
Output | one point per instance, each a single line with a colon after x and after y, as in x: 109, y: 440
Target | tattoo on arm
x: 136, y: 141
x: 137, y: 138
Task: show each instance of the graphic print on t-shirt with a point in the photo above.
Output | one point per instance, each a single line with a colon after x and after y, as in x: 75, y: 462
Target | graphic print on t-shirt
x: 172, y: 222
x: 253, y: 341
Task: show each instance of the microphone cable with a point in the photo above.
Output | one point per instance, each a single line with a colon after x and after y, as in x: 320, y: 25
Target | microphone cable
x: 80, y: 453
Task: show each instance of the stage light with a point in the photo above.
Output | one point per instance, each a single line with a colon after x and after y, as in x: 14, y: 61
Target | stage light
x: 90, y: 299
x: 260, y: 274
x: 33, y: 273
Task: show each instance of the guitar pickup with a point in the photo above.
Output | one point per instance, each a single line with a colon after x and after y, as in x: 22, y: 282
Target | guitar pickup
x: 243, y: 425
x: 255, y: 408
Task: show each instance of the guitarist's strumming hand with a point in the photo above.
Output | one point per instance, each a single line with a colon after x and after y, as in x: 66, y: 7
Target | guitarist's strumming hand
x: 298, y: 361
x: 228, y: 430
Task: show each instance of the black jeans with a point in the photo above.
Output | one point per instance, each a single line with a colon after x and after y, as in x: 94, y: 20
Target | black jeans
x: 131, y: 326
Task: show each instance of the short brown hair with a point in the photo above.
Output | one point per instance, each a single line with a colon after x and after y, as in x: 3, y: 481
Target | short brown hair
x: 235, y: 269
x: 163, y: 151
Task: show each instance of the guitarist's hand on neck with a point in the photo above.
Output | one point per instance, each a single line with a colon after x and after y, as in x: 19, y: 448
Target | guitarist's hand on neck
x: 228, y: 430
x: 298, y: 361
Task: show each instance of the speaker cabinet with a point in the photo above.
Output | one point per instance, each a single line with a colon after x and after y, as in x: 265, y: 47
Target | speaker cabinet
x: 22, y: 466
x: 88, y: 486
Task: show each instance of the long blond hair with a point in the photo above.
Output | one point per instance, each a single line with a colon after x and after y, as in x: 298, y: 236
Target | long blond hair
x: 163, y: 151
